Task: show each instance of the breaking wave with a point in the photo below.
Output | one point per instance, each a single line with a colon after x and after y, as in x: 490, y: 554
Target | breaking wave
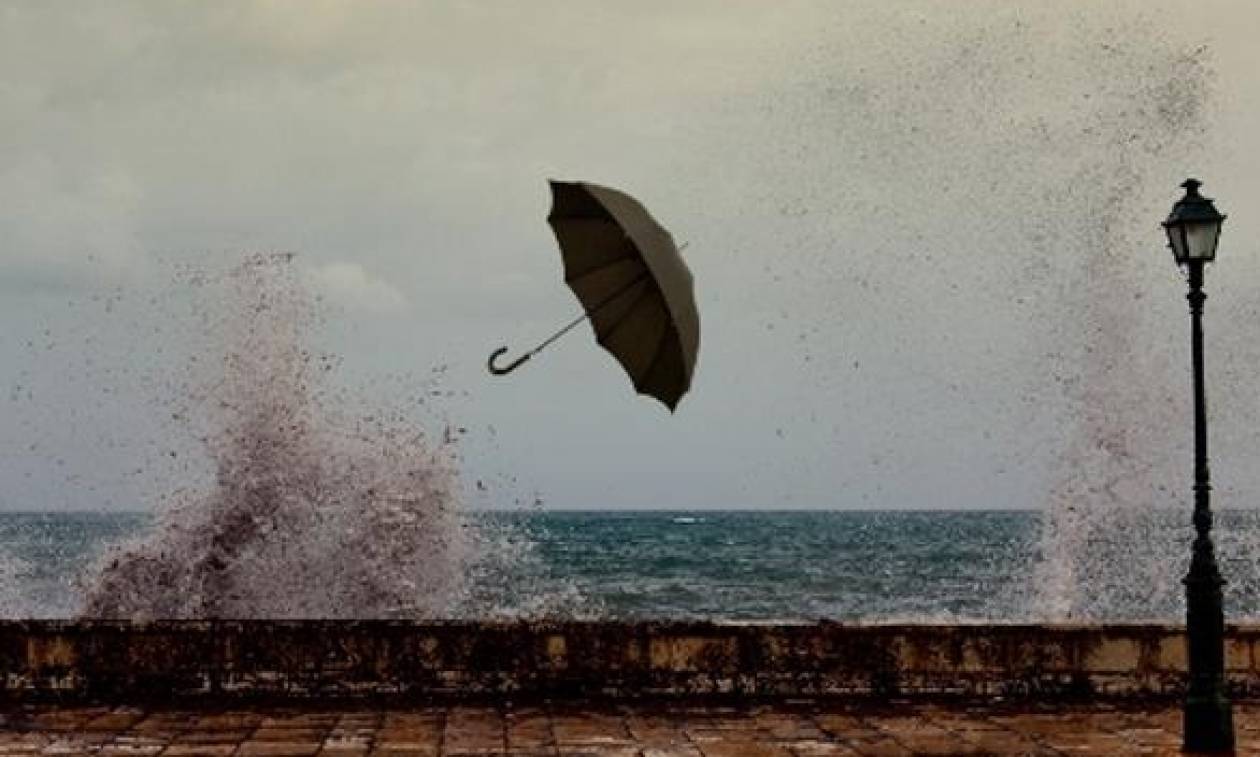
x: 311, y: 509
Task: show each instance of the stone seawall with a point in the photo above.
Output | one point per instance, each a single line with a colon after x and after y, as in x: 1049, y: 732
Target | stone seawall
x: 335, y: 659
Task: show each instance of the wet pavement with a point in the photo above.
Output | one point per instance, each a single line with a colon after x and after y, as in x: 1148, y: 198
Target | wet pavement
x: 660, y: 730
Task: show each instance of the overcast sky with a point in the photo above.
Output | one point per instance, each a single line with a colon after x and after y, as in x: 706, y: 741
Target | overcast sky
x: 924, y: 236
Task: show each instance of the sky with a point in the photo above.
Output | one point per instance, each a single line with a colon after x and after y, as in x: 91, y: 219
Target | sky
x: 925, y: 237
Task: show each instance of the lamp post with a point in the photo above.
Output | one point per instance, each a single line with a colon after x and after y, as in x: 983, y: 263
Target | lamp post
x: 1193, y: 227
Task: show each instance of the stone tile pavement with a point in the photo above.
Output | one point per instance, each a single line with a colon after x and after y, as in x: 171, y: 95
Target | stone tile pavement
x: 666, y: 729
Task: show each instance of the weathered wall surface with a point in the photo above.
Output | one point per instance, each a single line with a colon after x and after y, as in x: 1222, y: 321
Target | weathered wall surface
x: 41, y: 659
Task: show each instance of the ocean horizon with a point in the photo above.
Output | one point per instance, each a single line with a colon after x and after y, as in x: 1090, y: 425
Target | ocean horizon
x: 738, y: 565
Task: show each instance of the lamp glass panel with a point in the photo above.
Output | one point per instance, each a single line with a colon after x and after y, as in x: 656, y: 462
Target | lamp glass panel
x: 1201, y: 240
x: 1177, y: 241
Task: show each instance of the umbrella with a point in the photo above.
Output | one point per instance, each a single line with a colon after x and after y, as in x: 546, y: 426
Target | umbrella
x: 632, y: 283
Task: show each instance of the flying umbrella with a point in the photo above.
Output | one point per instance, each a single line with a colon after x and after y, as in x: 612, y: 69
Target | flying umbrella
x: 632, y: 284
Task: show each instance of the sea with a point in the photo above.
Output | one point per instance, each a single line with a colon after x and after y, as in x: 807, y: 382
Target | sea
x: 751, y: 566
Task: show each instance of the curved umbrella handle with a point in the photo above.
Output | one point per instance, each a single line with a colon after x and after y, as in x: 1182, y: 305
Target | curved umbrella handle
x: 496, y: 370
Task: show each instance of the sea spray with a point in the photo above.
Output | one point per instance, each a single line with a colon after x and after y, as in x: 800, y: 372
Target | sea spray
x: 967, y: 219
x: 15, y: 574
x: 311, y: 510
x: 1107, y: 553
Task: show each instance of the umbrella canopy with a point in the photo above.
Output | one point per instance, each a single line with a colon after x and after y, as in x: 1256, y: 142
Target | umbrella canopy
x: 633, y: 285
x: 627, y: 273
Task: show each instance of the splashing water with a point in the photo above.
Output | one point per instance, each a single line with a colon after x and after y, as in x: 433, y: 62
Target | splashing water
x: 1106, y: 549
x: 14, y: 575
x: 312, y: 512
x: 983, y: 189
x: 1001, y: 166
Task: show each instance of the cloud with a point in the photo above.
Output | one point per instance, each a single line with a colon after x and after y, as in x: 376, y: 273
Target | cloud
x: 352, y: 287
x: 64, y: 227
x: 418, y: 135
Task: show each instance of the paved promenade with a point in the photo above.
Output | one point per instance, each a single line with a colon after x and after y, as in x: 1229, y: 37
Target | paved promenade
x: 664, y: 730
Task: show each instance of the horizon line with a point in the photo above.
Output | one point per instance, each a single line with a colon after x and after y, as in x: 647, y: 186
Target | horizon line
x: 576, y: 510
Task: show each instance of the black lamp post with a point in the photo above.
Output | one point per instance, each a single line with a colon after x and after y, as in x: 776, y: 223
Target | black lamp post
x: 1193, y: 227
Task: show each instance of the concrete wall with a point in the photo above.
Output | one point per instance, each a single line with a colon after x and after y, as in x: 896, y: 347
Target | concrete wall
x: 120, y: 661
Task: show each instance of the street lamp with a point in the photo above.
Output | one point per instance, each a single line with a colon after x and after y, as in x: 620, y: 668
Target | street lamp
x: 1193, y: 227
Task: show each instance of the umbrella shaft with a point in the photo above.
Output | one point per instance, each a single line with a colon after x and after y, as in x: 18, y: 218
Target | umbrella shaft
x: 598, y: 307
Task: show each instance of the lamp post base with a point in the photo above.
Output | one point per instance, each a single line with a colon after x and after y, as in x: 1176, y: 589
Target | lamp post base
x: 1209, y: 724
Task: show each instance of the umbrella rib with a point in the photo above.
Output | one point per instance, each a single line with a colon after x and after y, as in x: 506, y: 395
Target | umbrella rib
x: 656, y: 358
x: 646, y: 291
x: 629, y: 256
